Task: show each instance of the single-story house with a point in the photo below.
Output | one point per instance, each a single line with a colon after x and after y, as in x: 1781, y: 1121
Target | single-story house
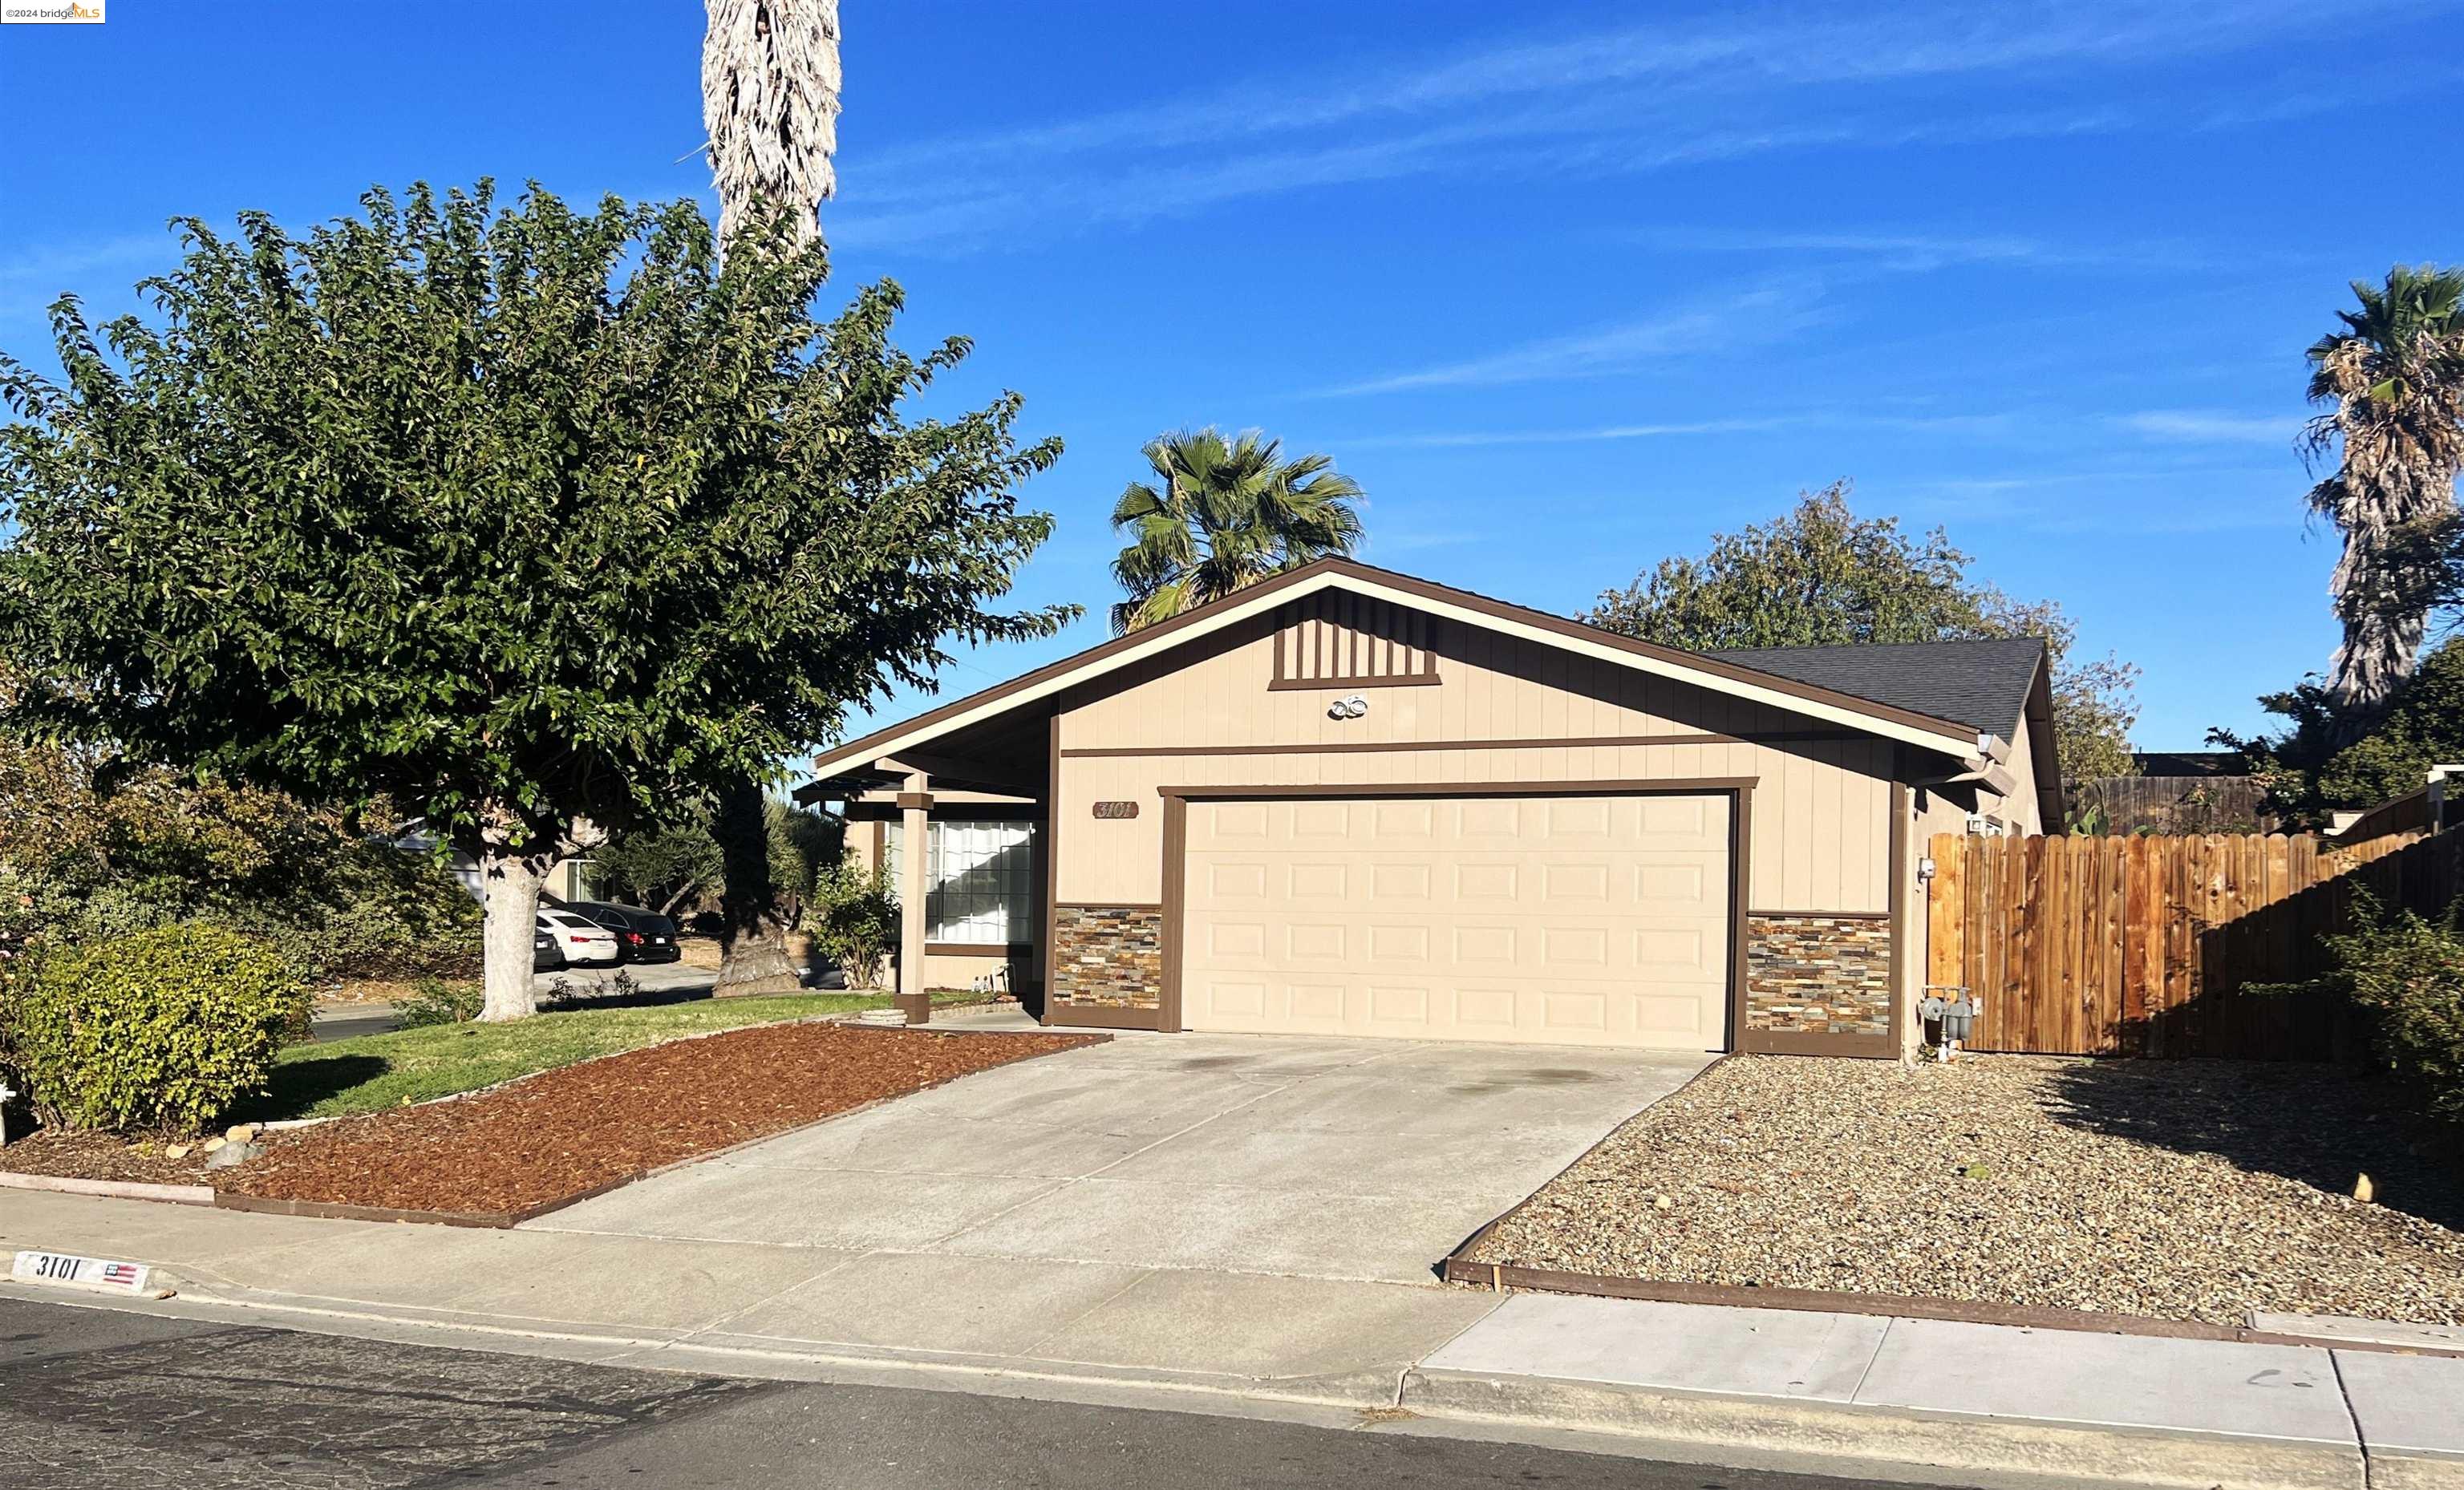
x: 1346, y: 801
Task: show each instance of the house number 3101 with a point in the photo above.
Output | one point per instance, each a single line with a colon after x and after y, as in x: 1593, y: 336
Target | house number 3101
x: 1117, y: 809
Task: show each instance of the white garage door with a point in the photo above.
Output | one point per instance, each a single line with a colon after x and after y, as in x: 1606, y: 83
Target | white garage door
x: 1550, y: 920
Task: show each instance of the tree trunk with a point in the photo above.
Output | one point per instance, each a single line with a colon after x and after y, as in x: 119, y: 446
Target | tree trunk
x: 667, y: 907
x: 751, y: 932
x: 510, y: 881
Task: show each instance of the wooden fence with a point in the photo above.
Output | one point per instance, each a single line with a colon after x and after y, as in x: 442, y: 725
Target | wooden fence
x: 2123, y: 804
x: 2143, y: 946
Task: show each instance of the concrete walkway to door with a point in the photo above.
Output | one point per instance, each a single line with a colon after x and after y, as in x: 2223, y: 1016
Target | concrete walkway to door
x: 1294, y: 1157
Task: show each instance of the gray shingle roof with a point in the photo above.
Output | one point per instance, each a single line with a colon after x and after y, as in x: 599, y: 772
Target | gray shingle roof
x: 1983, y: 685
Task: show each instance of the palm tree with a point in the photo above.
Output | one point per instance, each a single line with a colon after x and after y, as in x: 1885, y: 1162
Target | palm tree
x: 1222, y: 514
x: 770, y: 101
x: 2396, y: 378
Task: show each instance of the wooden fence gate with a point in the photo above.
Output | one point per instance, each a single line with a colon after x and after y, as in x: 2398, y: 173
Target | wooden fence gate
x: 2143, y: 946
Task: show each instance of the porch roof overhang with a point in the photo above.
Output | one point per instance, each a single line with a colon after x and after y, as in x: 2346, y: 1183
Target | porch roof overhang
x: 908, y: 742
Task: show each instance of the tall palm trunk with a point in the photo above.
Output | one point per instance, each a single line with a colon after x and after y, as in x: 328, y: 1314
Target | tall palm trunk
x: 770, y: 101
x: 2394, y: 383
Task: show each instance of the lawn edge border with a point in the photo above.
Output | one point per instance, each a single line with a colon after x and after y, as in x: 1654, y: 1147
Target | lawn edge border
x: 506, y: 1220
x: 1459, y: 1268
x: 107, y: 1189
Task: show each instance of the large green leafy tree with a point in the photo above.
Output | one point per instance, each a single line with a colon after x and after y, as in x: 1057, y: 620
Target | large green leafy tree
x: 1221, y: 514
x: 536, y: 521
x: 2313, y: 765
x: 2392, y: 378
x: 1819, y: 576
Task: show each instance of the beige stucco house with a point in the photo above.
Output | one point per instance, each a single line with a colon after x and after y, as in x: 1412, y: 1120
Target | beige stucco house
x: 1351, y: 801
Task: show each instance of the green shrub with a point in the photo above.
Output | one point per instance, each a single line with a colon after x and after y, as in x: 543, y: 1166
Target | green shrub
x: 2408, y: 972
x: 854, y: 920
x: 159, y: 1031
x: 436, y: 1001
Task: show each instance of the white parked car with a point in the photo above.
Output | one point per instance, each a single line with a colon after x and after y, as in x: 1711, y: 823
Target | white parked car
x: 586, y: 944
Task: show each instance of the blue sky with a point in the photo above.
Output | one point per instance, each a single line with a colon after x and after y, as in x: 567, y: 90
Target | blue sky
x: 1566, y: 287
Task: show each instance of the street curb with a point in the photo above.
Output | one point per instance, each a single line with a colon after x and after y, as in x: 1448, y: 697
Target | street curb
x: 2411, y: 1469
x: 2188, y: 1460
x: 109, y: 1189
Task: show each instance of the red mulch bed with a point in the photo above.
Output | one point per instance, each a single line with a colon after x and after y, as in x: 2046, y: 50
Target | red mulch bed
x: 102, y: 1156
x: 580, y: 1129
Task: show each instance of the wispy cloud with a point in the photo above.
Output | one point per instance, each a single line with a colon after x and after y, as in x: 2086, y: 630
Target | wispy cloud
x: 1754, y: 316
x: 34, y: 277
x: 2207, y: 427
x: 1921, y: 252
x: 1627, y: 99
x: 1446, y: 439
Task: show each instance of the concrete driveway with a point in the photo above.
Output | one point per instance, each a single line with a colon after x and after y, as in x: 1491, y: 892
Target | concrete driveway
x: 1299, y: 1157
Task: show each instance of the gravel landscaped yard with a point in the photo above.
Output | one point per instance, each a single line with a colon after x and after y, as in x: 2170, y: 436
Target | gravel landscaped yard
x: 2196, y: 1189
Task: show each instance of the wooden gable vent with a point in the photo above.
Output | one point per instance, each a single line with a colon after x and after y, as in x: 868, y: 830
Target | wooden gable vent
x: 1335, y: 640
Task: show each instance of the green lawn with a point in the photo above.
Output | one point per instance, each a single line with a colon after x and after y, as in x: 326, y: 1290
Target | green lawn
x: 377, y: 1071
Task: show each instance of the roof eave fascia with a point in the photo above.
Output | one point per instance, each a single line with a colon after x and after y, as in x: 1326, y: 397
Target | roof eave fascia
x: 1955, y: 741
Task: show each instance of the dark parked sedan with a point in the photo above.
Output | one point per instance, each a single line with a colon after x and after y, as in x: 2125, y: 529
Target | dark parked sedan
x: 641, y: 936
x: 546, y: 957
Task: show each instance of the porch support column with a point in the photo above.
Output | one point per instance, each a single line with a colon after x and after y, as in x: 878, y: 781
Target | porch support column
x: 915, y: 875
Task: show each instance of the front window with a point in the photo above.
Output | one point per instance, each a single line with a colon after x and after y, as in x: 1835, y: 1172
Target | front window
x: 983, y: 884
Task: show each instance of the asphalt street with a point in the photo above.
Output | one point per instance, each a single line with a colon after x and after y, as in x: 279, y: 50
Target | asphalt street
x: 96, y: 1399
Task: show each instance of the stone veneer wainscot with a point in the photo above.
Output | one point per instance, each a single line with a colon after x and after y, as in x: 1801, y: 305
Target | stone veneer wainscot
x: 1108, y: 954
x: 1818, y: 975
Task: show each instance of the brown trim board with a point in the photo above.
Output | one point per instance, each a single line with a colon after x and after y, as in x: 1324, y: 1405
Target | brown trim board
x: 1003, y: 950
x: 1176, y: 890
x: 1052, y: 862
x: 1370, y: 746
x: 862, y: 748
x: 1374, y: 680
x: 1900, y: 870
x: 1110, y: 904
x: 1741, y: 854
x: 1827, y: 915
x: 1691, y: 786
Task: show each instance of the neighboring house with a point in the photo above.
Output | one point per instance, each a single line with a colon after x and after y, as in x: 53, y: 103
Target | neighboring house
x: 1348, y: 801
x: 571, y: 879
x: 2429, y: 810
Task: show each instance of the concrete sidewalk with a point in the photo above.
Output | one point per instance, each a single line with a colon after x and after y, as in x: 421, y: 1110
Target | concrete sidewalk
x: 2147, y: 1409
x: 1914, y: 1399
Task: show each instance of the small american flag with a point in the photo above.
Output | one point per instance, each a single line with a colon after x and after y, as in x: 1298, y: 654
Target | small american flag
x: 124, y: 1273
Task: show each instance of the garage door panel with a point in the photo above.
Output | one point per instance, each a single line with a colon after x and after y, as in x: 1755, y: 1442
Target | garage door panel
x: 1410, y: 883
x: 1308, y: 880
x: 1600, y: 921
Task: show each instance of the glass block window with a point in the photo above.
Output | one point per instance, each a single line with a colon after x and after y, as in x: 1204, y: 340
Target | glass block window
x: 983, y: 884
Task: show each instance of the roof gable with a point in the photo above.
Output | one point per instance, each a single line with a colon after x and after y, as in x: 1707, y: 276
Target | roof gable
x: 1892, y: 721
